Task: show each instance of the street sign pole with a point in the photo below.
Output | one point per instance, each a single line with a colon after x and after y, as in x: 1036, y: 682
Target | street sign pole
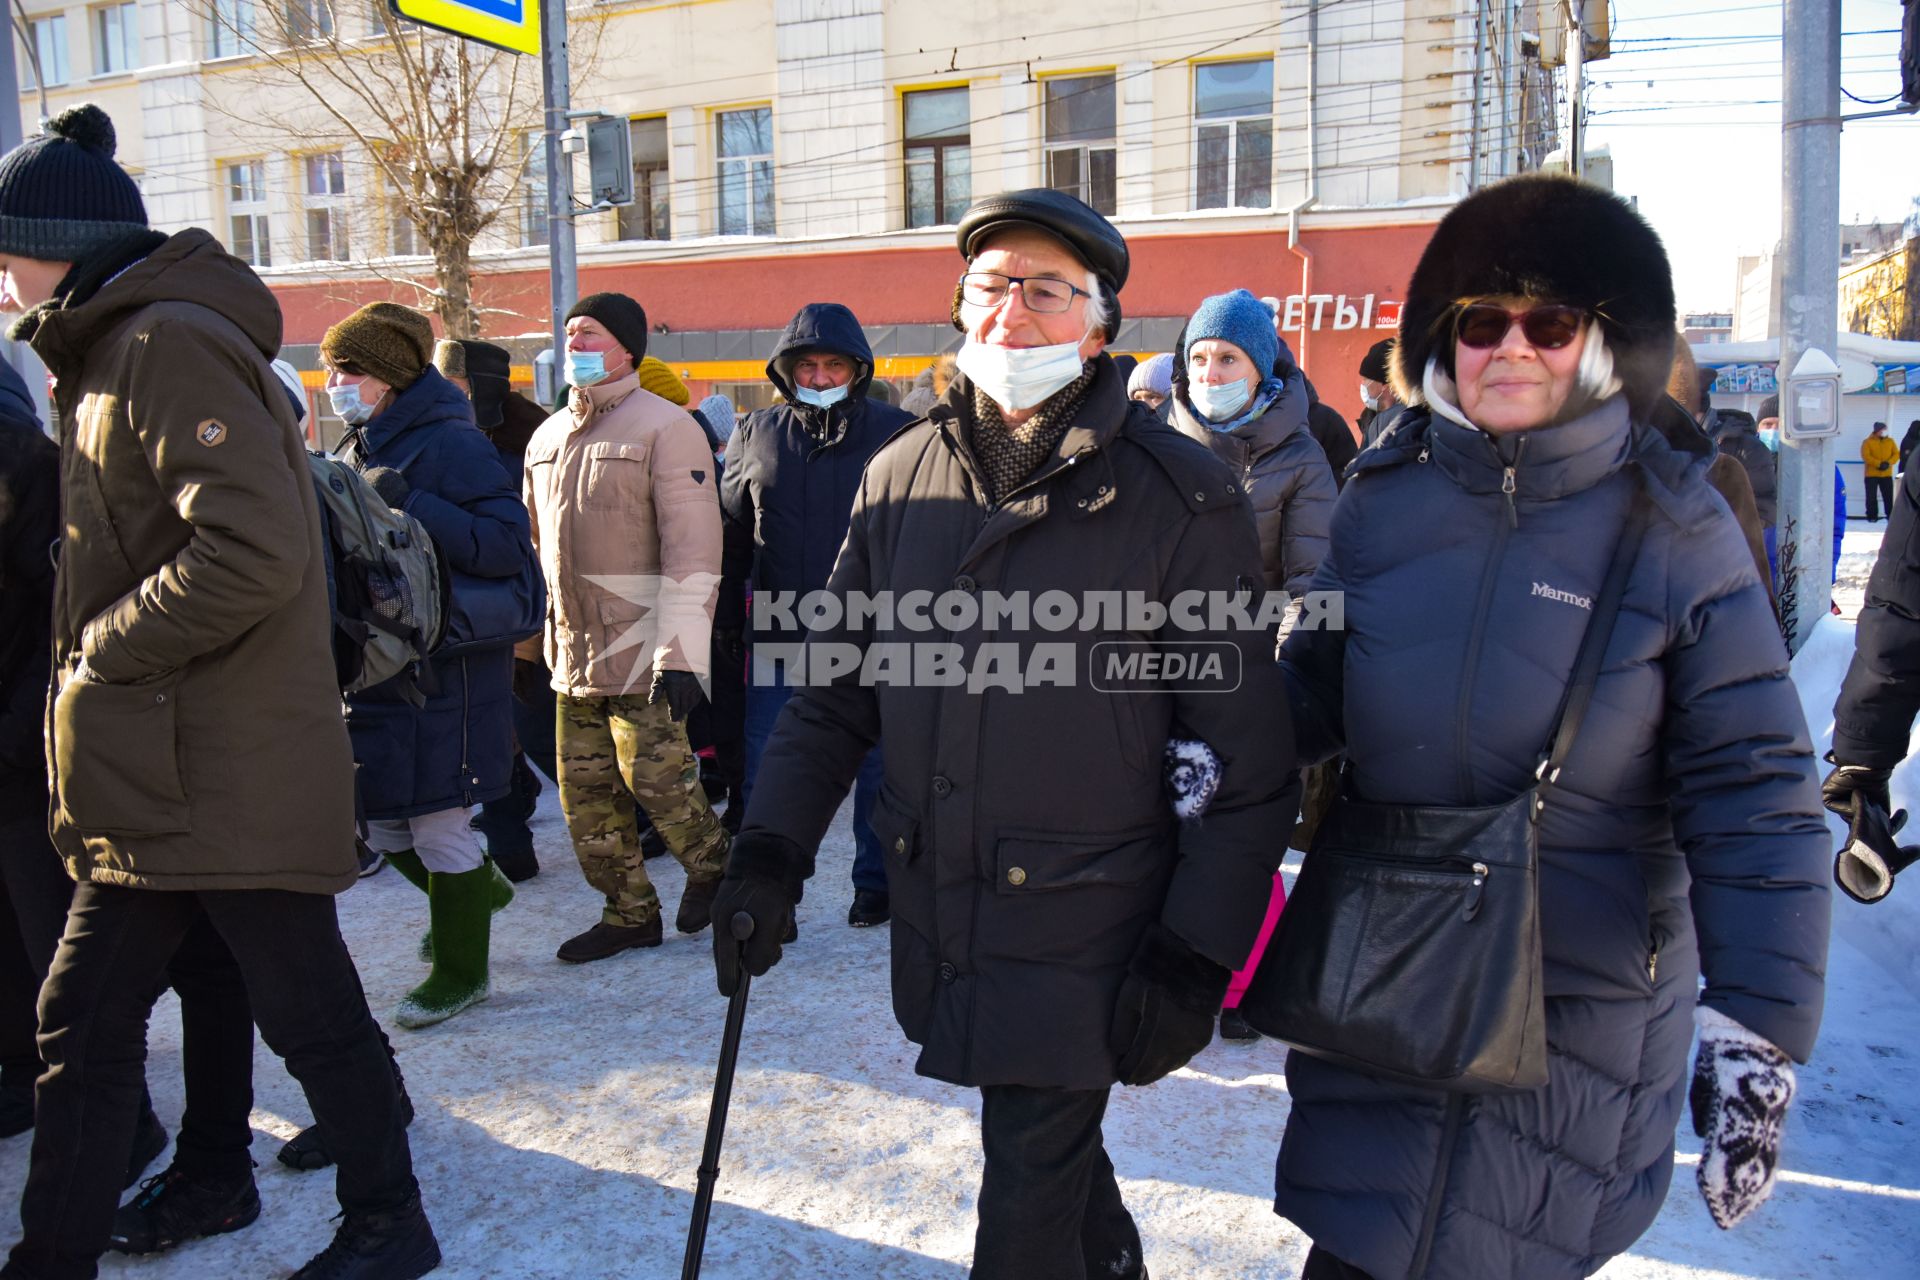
x: 562, y: 265
x: 1809, y: 302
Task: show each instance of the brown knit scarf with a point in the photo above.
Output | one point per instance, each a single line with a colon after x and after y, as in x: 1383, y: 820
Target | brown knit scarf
x: 1008, y: 455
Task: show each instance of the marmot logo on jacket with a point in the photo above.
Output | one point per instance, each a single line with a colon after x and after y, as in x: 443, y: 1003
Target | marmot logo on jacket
x: 1546, y: 592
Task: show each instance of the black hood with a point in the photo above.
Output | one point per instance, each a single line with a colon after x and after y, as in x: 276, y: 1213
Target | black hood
x: 822, y: 326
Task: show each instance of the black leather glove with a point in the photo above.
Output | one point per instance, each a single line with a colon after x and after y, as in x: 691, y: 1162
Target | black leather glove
x: 389, y: 484
x: 1866, y: 865
x: 681, y: 691
x: 1837, y: 791
x: 1168, y: 1003
x: 762, y: 872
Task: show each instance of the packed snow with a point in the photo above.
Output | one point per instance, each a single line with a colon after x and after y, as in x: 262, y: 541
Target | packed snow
x: 560, y: 1124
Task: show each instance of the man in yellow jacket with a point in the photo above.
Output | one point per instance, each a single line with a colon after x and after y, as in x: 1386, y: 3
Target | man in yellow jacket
x: 1880, y: 453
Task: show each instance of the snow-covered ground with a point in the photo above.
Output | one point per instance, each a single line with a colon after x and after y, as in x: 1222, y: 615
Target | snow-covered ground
x: 560, y: 1125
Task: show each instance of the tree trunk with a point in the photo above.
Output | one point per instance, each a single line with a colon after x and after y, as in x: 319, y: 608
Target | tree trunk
x: 453, y: 264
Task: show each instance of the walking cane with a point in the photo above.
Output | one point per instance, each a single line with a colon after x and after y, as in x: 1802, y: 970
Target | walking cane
x: 741, y: 927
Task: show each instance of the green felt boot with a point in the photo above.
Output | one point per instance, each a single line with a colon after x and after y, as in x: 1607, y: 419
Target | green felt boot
x: 462, y: 912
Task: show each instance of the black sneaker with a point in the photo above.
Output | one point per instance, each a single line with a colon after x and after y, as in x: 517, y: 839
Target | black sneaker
x: 178, y: 1206
x: 149, y: 1140
x: 1235, y: 1027
x: 870, y: 907
x: 395, y: 1244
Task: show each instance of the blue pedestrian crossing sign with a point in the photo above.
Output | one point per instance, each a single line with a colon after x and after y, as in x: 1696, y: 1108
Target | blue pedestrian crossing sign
x: 513, y: 25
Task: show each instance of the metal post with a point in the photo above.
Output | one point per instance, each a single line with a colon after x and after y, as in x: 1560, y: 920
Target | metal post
x: 1576, y: 91
x: 1478, y: 126
x: 1509, y: 86
x: 562, y: 264
x: 1809, y: 300
x: 19, y: 354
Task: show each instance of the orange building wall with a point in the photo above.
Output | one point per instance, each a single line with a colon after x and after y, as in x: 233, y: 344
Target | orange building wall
x: 1170, y: 275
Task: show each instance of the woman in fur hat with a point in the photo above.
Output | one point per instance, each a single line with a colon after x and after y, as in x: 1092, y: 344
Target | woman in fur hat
x: 1683, y: 836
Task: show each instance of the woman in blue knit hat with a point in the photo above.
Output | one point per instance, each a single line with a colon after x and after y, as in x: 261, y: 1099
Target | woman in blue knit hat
x: 1226, y: 395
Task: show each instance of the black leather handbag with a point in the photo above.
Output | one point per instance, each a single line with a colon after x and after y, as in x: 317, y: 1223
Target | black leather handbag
x: 1410, y: 945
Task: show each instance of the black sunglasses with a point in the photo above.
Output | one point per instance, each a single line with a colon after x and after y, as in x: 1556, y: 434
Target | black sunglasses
x: 1481, y: 325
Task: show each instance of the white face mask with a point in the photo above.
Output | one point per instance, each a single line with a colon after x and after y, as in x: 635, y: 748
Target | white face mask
x: 1017, y: 378
x: 1370, y: 400
x: 347, y: 404
x: 821, y: 398
x: 1219, y: 401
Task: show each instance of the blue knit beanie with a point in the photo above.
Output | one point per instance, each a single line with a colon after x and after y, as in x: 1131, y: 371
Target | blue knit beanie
x: 62, y: 197
x: 1239, y: 318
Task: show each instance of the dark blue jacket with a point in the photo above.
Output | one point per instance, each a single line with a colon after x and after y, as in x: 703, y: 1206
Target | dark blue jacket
x: 1685, y: 834
x: 1873, y: 719
x: 29, y: 528
x: 458, y: 749
x: 792, y: 470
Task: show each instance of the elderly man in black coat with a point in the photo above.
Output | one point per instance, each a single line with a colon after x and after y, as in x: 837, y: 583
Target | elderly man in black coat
x: 1056, y: 928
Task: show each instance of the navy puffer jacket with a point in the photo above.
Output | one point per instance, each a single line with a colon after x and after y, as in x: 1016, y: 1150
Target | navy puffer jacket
x: 792, y: 470
x: 457, y: 750
x: 1685, y: 835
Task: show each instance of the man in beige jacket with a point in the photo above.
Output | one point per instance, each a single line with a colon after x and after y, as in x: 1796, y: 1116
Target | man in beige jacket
x: 621, y: 487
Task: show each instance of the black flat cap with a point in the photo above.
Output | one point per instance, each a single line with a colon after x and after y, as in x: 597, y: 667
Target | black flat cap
x: 1091, y: 237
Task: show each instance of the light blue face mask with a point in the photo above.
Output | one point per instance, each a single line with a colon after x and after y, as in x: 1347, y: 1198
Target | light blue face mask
x: 585, y: 368
x: 821, y: 399
x: 1221, y: 402
x: 1770, y: 437
x: 347, y: 404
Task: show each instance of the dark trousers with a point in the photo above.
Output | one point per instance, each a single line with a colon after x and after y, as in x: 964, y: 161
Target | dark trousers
x: 1879, y: 495
x: 111, y: 966
x: 34, y: 893
x: 1049, y: 1206
x: 534, y: 720
x: 764, y: 704
x: 1322, y: 1265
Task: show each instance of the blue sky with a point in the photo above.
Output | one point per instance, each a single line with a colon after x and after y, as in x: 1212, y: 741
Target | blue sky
x: 1690, y: 105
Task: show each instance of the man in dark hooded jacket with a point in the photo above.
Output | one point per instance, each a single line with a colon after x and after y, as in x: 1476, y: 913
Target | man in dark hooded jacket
x: 190, y: 583
x: 788, y: 488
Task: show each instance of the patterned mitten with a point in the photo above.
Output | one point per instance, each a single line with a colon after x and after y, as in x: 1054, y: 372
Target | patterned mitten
x: 1193, y: 775
x: 1742, y: 1087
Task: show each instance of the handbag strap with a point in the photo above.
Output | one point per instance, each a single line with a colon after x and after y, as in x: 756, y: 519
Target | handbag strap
x: 1593, y: 645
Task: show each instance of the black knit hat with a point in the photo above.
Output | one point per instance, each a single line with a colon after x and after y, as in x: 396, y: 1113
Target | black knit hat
x: 62, y: 197
x: 620, y: 316
x: 487, y: 369
x: 1555, y: 239
x: 1374, y: 364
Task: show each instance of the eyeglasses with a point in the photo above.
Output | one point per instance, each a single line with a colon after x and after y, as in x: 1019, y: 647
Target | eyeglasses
x: 1042, y: 294
x: 1481, y: 325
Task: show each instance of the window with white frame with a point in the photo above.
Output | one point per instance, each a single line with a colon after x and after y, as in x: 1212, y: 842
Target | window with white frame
x: 1233, y: 135
x: 939, y: 155
x: 533, y: 189
x: 230, y: 29
x: 649, y: 216
x: 116, y: 39
x: 47, y: 43
x: 325, y: 204
x: 310, y: 20
x: 247, y: 237
x: 744, y: 142
x: 1080, y: 116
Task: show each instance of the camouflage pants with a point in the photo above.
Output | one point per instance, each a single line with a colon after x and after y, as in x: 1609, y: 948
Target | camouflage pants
x: 613, y: 753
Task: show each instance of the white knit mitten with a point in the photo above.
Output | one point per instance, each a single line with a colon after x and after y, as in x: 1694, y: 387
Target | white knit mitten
x: 1742, y: 1087
x: 1193, y: 775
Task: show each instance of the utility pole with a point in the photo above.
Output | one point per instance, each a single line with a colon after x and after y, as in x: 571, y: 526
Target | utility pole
x: 1809, y: 298
x: 562, y: 264
x: 1478, y: 126
x: 19, y: 354
x: 1576, y: 91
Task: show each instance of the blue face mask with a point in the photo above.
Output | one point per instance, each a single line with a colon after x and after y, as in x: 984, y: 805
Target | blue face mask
x: 585, y: 368
x: 1218, y: 403
x: 821, y: 399
x: 1770, y: 437
x: 347, y: 404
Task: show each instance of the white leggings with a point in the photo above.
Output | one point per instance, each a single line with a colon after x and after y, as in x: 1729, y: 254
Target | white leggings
x: 443, y: 840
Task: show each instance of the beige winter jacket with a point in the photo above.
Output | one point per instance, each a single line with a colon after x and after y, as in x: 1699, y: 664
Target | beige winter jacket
x: 626, y: 520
